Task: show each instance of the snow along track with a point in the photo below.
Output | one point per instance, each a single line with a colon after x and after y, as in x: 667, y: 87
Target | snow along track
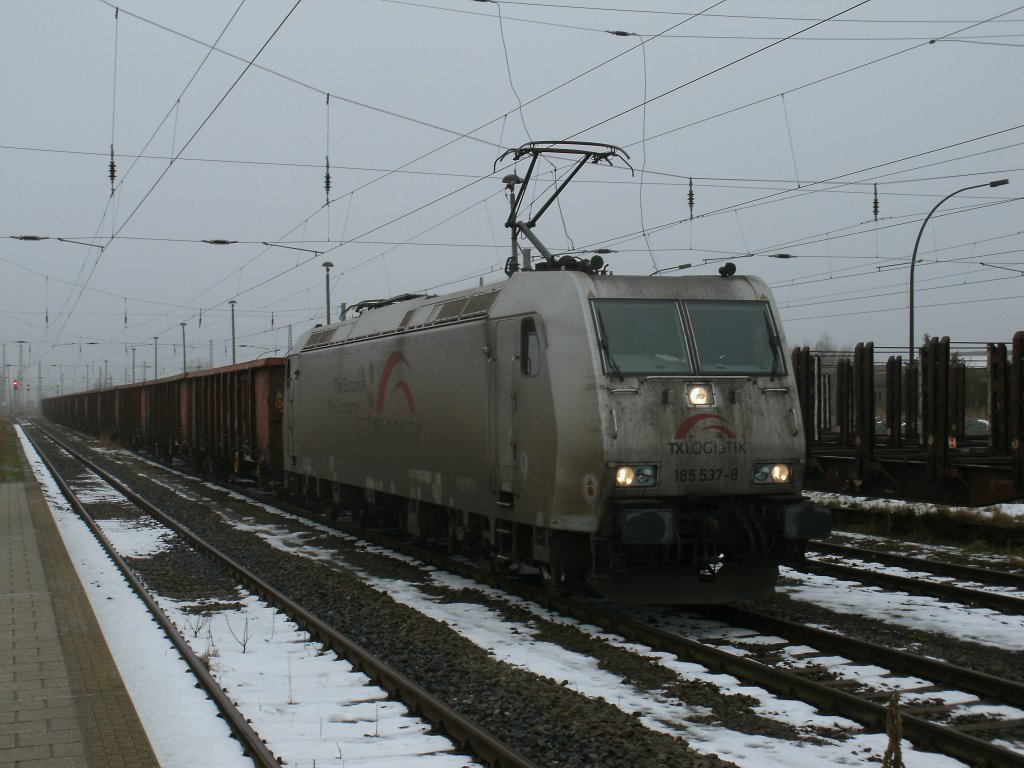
x: 367, y: 729
x: 520, y: 633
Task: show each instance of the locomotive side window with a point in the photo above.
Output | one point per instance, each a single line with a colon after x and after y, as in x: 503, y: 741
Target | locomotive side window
x: 641, y: 336
x: 735, y: 337
x: 529, y: 348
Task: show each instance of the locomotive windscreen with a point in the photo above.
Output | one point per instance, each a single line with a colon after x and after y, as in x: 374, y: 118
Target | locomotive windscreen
x: 735, y: 337
x: 647, y: 337
x: 642, y: 336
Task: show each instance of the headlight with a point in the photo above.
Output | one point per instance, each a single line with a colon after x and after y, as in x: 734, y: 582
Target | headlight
x: 700, y: 394
x: 636, y: 476
x: 772, y: 474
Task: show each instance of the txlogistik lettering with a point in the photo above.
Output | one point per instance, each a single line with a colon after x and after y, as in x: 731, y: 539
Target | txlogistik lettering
x: 709, y: 447
x: 396, y: 433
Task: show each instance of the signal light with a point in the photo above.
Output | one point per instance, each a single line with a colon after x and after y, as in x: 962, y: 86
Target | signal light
x: 16, y: 383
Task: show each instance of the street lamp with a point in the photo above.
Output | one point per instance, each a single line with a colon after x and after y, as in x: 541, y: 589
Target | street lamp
x: 913, y: 258
x: 232, y: 303
x: 327, y: 266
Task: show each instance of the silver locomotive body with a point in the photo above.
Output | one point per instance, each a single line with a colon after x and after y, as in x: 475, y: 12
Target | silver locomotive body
x: 639, y: 433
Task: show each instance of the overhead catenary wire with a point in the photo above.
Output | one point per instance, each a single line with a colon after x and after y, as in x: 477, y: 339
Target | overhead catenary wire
x: 838, y: 180
x: 643, y: 228
x: 298, y: 264
x: 183, y: 148
x: 173, y: 110
x: 718, y: 69
x: 112, y: 173
x: 687, y: 15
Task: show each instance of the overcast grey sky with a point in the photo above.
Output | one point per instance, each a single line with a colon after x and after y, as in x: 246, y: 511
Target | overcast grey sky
x: 785, y: 115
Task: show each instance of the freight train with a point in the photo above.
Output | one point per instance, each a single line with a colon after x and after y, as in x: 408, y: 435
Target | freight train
x: 640, y: 435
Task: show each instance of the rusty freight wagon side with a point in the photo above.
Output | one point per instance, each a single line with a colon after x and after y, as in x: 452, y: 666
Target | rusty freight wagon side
x: 76, y: 411
x: 231, y: 418
x: 225, y: 420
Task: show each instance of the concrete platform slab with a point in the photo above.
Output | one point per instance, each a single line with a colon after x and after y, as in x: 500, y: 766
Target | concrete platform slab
x: 62, y: 701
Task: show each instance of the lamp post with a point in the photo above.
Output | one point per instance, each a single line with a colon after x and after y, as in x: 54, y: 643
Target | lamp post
x: 184, y: 364
x: 327, y: 281
x: 155, y: 375
x: 913, y: 258
x: 232, y: 303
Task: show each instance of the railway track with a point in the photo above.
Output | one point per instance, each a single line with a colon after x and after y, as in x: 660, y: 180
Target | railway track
x: 1000, y: 578
x: 993, y: 693
x: 253, y: 745
x: 1004, y: 595
x: 867, y: 708
x: 464, y: 734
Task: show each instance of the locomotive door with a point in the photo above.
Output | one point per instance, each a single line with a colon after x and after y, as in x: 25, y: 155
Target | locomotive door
x: 504, y: 388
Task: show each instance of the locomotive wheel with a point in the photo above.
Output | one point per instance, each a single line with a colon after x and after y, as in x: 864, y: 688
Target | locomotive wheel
x: 555, y: 580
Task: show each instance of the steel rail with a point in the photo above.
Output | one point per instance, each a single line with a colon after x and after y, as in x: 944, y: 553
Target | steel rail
x: 252, y: 744
x: 955, y: 570
x: 463, y: 732
x: 921, y: 732
x: 1000, y: 601
x: 979, y: 683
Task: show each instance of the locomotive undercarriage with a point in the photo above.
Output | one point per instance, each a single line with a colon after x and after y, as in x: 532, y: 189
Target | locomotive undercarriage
x: 701, y: 536
x: 713, y: 552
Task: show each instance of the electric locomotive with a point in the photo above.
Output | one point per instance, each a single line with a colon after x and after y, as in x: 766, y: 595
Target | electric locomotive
x: 639, y: 434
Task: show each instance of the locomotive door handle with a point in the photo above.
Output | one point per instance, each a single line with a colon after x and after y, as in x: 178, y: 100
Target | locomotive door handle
x: 796, y: 427
x: 615, y: 424
x: 513, y: 386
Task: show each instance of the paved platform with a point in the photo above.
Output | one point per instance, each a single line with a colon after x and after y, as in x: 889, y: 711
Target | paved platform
x: 62, y: 701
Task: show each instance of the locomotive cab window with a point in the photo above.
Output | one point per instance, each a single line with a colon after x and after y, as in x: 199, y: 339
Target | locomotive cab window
x: 641, y: 337
x: 529, y: 348
x: 736, y: 337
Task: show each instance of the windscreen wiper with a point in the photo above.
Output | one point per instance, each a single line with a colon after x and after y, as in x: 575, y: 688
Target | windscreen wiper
x: 776, y: 345
x: 603, y: 341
